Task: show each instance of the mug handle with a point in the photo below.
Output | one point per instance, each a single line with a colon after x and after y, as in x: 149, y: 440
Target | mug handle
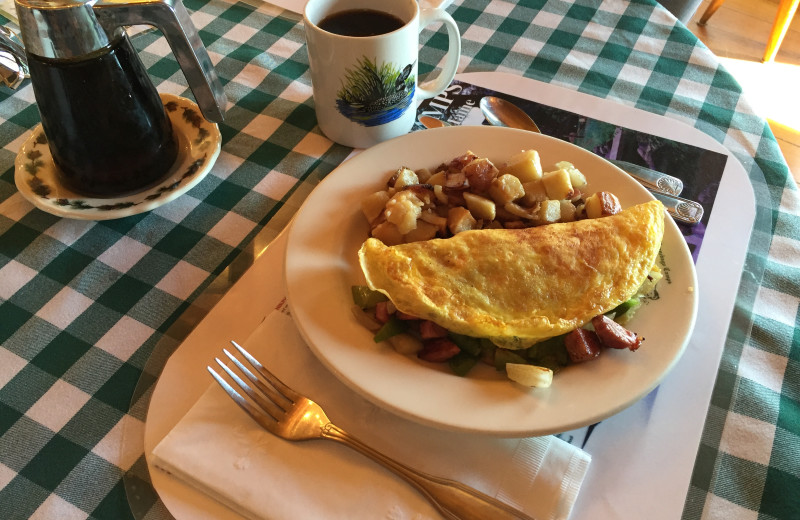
x: 437, y: 86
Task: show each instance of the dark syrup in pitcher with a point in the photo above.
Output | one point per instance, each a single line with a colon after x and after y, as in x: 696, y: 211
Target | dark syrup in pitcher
x: 106, y: 126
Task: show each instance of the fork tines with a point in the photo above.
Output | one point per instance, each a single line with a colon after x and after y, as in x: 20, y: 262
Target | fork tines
x: 274, y: 398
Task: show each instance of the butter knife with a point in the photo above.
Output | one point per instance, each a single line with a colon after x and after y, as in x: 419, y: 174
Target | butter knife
x: 650, y: 178
x: 683, y: 210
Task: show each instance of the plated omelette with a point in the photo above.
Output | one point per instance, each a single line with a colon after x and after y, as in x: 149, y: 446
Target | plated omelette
x: 511, y: 266
x: 532, y: 283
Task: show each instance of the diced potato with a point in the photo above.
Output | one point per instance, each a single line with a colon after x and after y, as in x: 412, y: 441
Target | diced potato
x: 480, y: 207
x: 578, y: 179
x: 405, y: 344
x: 423, y: 174
x: 403, y: 210
x: 458, y: 163
x: 558, y: 185
x: 460, y: 219
x: 405, y: 177
x: 437, y: 179
x: 504, y: 215
x: 506, y: 188
x: 388, y: 233
x: 593, y: 206
x: 601, y: 204
x: 480, y: 174
x: 518, y: 211
x: 529, y: 375
x: 526, y: 166
x: 438, y: 191
x: 423, y: 192
x: 372, y: 205
x: 423, y: 231
x: 568, y: 212
x: 431, y: 217
x: 456, y: 180
x: 550, y: 211
x: 534, y: 192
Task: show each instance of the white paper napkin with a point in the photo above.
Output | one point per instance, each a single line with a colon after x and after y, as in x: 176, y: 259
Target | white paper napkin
x: 220, y: 451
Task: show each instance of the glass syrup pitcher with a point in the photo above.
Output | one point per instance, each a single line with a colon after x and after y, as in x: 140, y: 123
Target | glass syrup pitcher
x: 105, y: 124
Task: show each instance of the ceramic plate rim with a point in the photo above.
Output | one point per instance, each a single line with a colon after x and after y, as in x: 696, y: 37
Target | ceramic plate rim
x: 320, y: 266
x: 190, y: 152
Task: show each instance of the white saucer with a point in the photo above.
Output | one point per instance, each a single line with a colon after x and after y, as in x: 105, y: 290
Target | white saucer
x: 199, y: 143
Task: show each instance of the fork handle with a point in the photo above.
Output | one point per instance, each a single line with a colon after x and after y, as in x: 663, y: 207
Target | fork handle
x: 454, y: 500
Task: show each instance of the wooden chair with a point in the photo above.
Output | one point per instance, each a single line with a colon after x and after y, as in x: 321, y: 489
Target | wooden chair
x: 786, y: 11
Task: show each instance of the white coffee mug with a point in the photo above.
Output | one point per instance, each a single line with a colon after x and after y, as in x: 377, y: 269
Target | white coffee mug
x: 365, y: 87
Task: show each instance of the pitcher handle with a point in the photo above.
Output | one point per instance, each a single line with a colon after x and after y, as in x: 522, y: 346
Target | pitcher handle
x: 13, y: 61
x: 172, y: 19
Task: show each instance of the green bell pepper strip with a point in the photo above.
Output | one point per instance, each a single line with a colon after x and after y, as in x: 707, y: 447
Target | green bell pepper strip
x: 365, y: 297
x: 393, y: 327
x: 467, y: 344
x: 462, y: 363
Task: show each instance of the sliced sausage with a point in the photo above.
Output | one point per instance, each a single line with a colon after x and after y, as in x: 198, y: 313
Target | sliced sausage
x: 614, y: 335
x: 582, y: 345
x: 438, y: 350
x: 430, y: 330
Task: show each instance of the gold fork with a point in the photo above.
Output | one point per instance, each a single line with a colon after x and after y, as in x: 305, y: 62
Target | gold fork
x: 289, y: 415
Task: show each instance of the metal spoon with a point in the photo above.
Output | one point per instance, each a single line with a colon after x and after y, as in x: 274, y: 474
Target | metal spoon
x: 432, y: 122
x: 665, y: 188
x: 500, y: 112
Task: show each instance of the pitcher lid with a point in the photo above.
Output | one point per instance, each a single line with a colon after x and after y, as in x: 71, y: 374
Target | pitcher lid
x: 60, y: 28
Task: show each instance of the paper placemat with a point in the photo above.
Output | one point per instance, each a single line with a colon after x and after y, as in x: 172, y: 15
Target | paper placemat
x: 661, y: 431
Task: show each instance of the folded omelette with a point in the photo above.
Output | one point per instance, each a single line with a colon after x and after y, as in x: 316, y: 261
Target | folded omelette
x: 518, y: 286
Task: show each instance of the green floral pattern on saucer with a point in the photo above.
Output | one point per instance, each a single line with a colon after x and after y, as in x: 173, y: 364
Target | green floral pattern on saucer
x: 199, y: 146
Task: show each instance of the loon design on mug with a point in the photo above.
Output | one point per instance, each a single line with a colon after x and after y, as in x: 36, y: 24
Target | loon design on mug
x: 374, y: 95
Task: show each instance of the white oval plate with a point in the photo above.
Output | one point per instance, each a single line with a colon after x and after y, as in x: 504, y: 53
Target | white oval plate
x: 322, y: 265
x: 199, y: 144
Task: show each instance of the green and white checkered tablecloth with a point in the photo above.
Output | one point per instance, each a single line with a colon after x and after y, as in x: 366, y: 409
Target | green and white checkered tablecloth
x: 84, y: 304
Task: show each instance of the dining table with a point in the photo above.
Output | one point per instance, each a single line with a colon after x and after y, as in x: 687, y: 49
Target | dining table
x: 93, y: 306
